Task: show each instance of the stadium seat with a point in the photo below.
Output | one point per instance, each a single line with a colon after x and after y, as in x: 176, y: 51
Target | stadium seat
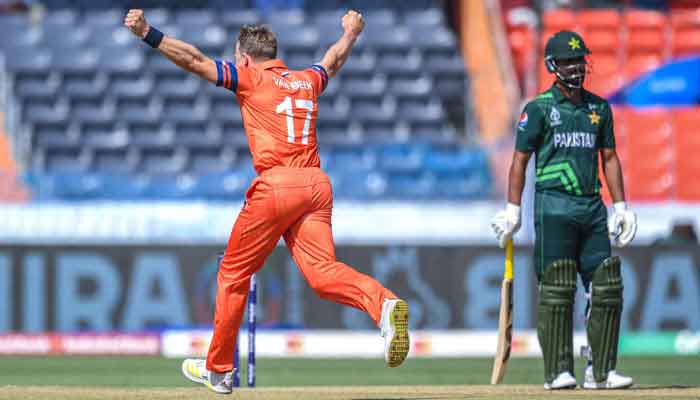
x: 361, y: 88
x: 196, y: 135
x: 398, y: 66
x: 279, y: 19
x: 76, y: 62
x: 162, y: 161
x: 432, y: 17
x: 434, y: 41
x: 210, y: 160
x: 37, y: 89
x: 417, y: 186
x: 125, y: 88
x: 383, y: 18
x: 102, y: 134
x: 646, y: 42
x: 113, y: 161
x: 606, y: 74
x: 90, y: 111
x: 66, y: 159
x: 687, y: 146
x: 65, y: 36
x: 233, y: 19
x: 295, y: 38
x: 649, y: 163
x: 228, y: 185
x: 362, y: 65
x: 401, y: 158
x: 149, y: 134
x: 686, y: 42
x: 638, y: 65
x: 398, y: 39
x: 635, y: 19
x: 596, y: 20
x: 603, y: 41
x: 49, y: 134
x: 558, y: 20
x: 199, y: 17
x: 407, y: 88
x: 28, y: 61
x: 177, y: 88
x: 208, y: 38
x: 445, y: 66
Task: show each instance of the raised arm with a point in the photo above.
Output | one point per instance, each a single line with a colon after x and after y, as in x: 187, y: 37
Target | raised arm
x: 182, y: 54
x: 335, y: 57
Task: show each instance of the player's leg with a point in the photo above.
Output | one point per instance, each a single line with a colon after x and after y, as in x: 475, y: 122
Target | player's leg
x: 252, y: 239
x: 602, y: 279
x: 310, y: 241
x: 556, y: 248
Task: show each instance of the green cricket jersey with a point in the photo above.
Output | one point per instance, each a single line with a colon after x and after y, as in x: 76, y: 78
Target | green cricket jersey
x: 566, y: 139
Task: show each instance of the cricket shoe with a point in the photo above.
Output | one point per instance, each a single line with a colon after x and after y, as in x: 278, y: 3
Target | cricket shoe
x: 564, y: 381
x: 196, y: 371
x: 614, y: 381
x: 394, y: 330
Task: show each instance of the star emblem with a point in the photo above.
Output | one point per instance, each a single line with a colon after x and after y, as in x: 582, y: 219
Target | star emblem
x: 574, y: 43
x: 595, y: 118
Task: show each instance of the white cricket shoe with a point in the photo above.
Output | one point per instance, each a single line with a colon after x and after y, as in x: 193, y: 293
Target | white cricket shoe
x: 394, y: 330
x: 196, y: 371
x: 614, y: 381
x: 564, y: 381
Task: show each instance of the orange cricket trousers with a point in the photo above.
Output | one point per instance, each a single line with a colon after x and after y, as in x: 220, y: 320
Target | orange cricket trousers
x: 295, y: 203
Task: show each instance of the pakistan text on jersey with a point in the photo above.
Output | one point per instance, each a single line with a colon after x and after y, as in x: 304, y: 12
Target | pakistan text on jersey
x: 293, y: 85
x: 574, y: 139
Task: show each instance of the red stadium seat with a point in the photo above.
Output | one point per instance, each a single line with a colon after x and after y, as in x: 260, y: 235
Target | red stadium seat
x: 557, y: 20
x: 685, y: 19
x: 638, y: 65
x: 686, y: 42
x: 649, y: 163
x: 600, y: 19
x: 646, y: 41
x: 687, y: 147
x: 606, y: 74
x: 603, y: 41
x: 645, y: 19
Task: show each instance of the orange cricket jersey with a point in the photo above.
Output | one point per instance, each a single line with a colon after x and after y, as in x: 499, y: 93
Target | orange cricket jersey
x: 279, y: 109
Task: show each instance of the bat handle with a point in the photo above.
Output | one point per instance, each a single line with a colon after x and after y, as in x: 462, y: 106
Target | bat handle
x: 508, y: 272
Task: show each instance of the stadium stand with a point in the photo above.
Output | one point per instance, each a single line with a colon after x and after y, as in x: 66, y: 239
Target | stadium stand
x: 106, y: 118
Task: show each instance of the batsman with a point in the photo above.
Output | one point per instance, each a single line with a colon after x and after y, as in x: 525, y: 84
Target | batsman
x: 568, y: 128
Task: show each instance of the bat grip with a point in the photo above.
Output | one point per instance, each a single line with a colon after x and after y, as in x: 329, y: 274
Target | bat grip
x: 508, y: 272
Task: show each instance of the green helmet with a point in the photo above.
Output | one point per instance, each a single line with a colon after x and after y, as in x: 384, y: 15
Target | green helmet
x: 566, y: 45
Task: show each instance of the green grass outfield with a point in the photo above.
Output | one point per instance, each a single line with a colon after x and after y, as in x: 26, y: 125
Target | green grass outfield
x: 299, y: 379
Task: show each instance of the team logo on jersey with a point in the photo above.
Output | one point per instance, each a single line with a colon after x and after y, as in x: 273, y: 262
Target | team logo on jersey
x: 595, y: 118
x: 592, y: 106
x: 554, y: 117
x: 523, y: 121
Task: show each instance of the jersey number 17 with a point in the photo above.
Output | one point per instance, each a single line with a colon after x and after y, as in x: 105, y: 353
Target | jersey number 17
x: 287, y: 107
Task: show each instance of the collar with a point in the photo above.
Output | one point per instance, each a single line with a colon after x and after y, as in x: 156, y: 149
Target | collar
x: 274, y: 63
x: 560, y: 98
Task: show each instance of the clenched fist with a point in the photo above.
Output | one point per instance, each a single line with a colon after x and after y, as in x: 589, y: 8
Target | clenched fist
x: 353, y: 23
x: 136, y: 22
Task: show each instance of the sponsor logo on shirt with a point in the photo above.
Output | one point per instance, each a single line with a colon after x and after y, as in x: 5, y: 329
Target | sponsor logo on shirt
x: 293, y: 85
x: 523, y: 121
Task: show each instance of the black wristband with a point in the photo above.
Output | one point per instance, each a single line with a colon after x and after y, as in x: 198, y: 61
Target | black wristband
x: 153, y: 37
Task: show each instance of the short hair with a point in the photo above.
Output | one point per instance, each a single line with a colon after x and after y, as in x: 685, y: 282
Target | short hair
x: 258, y: 41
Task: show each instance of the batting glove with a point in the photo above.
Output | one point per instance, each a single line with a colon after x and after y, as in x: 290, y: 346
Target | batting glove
x: 506, y: 224
x: 622, y: 225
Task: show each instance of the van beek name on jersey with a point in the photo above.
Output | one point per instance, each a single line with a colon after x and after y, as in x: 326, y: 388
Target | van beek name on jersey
x: 574, y: 139
x: 293, y: 85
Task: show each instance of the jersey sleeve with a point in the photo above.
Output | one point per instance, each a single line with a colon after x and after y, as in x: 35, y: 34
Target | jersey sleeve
x: 236, y: 79
x: 607, y: 131
x: 319, y: 78
x: 530, y: 128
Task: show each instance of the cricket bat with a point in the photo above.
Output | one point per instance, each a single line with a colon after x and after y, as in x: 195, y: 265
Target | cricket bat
x: 505, y: 320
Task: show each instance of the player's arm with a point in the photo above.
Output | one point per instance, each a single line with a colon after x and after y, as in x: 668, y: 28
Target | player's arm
x: 182, y: 54
x: 516, y: 176
x: 338, y: 53
x: 612, y: 168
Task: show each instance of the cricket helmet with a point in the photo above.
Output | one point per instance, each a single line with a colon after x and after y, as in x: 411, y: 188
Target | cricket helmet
x: 567, y: 45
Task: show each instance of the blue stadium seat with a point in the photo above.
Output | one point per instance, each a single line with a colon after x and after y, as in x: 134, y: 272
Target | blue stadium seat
x: 455, y: 161
x: 450, y: 87
x: 168, y: 186
x: 196, y: 134
x: 52, y: 134
x: 102, y: 134
x: 68, y: 185
x: 432, y: 17
x: 37, y: 89
x: 397, y: 66
x: 157, y: 16
x: 194, y: 17
x: 211, y: 160
x: 208, y: 38
x: 122, y: 186
x: 295, y: 38
x: 12, y: 37
x: 411, y: 185
x: 101, y: 18
x: 90, y: 111
x: 407, y: 88
x: 64, y: 18
x: 434, y: 41
x: 184, y: 110
x: 433, y: 132
x: 160, y: 66
x: 121, y: 61
x: 65, y: 36
x: 81, y: 88
x: 42, y: 112
x: 162, y: 161
x: 137, y: 111
x: 464, y: 187
x: 333, y: 88
x: 381, y: 18
x: 358, y: 159
x: 113, y: 161
x: 361, y: 88
x: 445, y: 65
x: 279, y: 19
x: 76, y: 62
x: 28, y: 61
x: 127, y: 88
x: 373, y: 110
x: 234, y: 18
x: 14, y: 22
x: 229, y: 185
x: 360, y: 65
x: 412, y: 110
x: 66, y: 159
x: 149, y: 134
x: 403, y: 158
x: 397, y: 39
x: 177, y: 88
x: 233, y: 136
